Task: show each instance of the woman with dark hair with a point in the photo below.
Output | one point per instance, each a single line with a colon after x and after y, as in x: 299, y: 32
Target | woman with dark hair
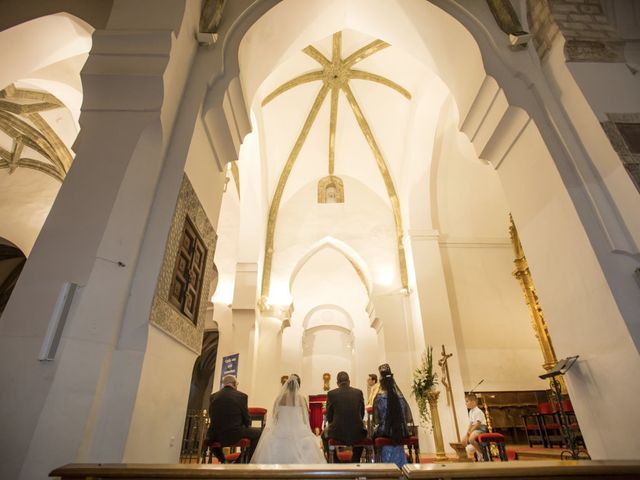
x: 391, y: 417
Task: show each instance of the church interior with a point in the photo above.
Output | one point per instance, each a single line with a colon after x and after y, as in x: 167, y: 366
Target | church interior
x: 196, y: 188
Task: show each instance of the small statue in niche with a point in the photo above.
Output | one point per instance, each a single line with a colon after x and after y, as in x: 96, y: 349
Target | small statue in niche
x: 330, y: 190
x: 330, y: 196
x: 326, y: 377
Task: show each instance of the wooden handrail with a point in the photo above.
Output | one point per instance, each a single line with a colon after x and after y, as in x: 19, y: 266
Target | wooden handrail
x: 583, y: 469
x: 124, y: 471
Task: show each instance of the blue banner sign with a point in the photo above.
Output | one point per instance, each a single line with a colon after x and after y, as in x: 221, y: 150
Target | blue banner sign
x: 229, y: 366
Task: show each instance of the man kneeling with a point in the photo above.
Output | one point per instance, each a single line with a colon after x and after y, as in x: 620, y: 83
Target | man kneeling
x: 345, y: 409
x: 230, y: 421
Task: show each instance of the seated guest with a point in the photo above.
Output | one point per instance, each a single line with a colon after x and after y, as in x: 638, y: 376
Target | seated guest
x: 391, y: 417
x: 373, y: 387
x: 345, y: 409
x: 477, y: 425
x: 230, y: 419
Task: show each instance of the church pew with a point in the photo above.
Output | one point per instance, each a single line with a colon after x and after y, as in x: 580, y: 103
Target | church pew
x: 124, y: 471
x: 556, y: 469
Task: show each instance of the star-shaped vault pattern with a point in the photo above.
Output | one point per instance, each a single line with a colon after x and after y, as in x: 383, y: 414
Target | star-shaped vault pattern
x: 335, y: 75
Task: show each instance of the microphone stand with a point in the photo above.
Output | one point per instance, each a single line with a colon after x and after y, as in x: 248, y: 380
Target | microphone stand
x: 477, y: 385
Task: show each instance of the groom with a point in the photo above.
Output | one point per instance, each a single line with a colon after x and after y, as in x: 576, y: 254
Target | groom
x: 345, y: 409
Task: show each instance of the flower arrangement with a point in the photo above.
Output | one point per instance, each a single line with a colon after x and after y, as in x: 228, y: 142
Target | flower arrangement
x: 424, y: 379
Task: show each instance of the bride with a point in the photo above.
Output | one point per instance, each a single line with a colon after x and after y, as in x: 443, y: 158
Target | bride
x: 287, y: 438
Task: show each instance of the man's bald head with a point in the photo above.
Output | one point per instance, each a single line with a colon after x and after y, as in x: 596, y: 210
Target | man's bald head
x: 229, y: 381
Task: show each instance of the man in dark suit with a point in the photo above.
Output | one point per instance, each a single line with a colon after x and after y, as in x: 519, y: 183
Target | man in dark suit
x: 230, y: 419
x: 345, y: 409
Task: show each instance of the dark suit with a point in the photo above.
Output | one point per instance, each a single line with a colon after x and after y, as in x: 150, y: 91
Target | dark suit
x: 230, y: 420
x: 345, y: 409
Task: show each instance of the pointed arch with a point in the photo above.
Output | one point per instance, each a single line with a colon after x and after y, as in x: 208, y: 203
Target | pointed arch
x: 341, y: 247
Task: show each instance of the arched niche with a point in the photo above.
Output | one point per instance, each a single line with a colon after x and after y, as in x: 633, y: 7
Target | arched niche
x: 324, y: 315
x: 326, y: 348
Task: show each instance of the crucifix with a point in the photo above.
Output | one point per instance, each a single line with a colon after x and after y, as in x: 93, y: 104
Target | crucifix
x: 446, y: 381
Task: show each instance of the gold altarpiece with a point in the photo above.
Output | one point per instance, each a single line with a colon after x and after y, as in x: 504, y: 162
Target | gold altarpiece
x: 523, y: 275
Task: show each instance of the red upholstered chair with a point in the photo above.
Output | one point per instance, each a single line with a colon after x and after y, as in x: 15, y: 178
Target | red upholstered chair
x: 258, y: 414
x: 411, y: 443
x: 550, y: 424
x: 345, y: 456
x: 486, y: 439
x: 235, y: 457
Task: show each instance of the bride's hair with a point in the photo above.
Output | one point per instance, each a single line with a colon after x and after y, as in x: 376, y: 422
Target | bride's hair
x: 293, y: 383
x: 289, y: 393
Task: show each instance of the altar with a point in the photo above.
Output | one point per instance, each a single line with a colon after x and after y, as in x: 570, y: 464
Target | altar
x: 317, y: 404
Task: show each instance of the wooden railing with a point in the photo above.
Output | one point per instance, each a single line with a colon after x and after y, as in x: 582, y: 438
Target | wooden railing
x: 370, y: 471
x: 556, y: 469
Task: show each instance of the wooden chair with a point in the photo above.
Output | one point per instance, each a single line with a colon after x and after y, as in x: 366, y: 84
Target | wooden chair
x: 550, y: 424
x: 533, y: 429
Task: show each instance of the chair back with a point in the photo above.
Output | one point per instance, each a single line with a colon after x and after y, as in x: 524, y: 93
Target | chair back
x: 258, y: 414
x: 566, y: 406
x: 545, y: 408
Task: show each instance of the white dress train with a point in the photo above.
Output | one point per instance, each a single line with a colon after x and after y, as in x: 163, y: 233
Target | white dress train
x: 288, y: 437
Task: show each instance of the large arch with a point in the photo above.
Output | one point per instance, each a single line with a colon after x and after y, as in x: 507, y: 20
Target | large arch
x: 515, y: 123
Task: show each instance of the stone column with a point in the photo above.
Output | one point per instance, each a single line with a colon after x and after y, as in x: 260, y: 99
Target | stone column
x: 268, y: 342
x: 93, y: 238
x: 437, y: 320
x: 393, y: 322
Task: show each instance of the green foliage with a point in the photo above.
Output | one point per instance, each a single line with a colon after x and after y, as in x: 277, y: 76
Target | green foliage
x: 424, y: 379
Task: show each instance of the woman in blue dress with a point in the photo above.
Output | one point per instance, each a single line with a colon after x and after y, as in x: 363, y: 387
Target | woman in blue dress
x: 391, y: 417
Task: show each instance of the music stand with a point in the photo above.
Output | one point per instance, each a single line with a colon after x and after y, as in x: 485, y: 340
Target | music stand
x: 560, y: 368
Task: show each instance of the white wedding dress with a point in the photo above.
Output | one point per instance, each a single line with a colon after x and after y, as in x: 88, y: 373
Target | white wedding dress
x: 287, y: 438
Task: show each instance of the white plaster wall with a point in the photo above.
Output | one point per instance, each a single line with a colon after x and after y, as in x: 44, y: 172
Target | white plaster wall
x: 364, y: 222
x: 587, y: 92
x: 155, y: 433
x: 63, y: 35
x: 203, y: 173
x: 237, y: 331
x: 26, y: 197
x: 495, y: 339
x: 576, y: 298
x: 326, y: 350
x: 495, y: 336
